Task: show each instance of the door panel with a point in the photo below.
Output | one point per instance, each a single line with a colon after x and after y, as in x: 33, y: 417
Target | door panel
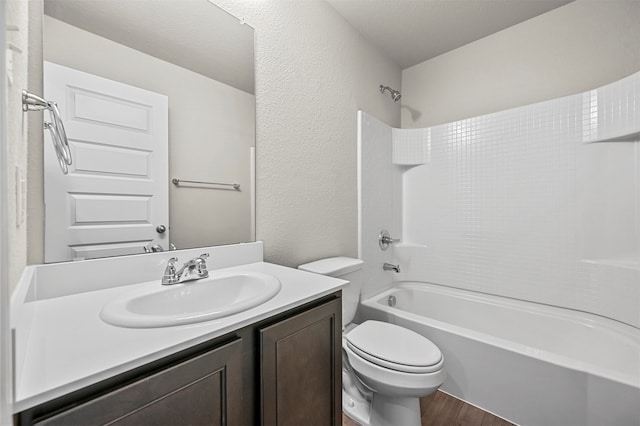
x: 90, y: 158
x: 90, y: 208
x: 109, y: 111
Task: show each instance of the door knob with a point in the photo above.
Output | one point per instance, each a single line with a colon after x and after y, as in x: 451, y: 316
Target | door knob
x: 160, y: 229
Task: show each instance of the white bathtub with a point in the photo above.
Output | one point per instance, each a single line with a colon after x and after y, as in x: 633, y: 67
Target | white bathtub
x: 531, y: 364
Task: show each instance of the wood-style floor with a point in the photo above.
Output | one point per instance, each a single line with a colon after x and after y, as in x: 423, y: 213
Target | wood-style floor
x: 440, y: 409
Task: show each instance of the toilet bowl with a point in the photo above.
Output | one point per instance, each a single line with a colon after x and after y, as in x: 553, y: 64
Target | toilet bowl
x: 386, y: 368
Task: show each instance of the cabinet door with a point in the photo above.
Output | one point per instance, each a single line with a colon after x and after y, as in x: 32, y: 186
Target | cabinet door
x: 205, y: 390
x: 300, y: 368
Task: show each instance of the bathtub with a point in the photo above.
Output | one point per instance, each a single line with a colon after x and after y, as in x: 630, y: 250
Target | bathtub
x: 531, y: 364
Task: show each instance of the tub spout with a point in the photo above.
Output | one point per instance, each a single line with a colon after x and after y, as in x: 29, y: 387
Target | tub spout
x: 391, y: 267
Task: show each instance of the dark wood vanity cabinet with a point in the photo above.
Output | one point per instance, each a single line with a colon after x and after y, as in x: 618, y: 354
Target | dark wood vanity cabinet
x: 301, y: 367
x: 205, y: 390
x: 285, y: 370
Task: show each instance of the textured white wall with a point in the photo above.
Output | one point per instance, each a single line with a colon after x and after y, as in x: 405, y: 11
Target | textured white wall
x: 313, y: 73
x: 576, y: 47
x: 35, y: 138
x: 6, y: 349
x: 17, y: 123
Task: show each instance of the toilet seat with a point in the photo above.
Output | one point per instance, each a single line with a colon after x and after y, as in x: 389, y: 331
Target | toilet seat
x: 394, y: 347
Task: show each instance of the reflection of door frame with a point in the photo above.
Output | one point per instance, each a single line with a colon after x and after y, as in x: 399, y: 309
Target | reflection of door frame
x: 116, y: 192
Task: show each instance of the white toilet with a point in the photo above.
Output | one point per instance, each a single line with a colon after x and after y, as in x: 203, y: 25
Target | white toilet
x: 386, y: 368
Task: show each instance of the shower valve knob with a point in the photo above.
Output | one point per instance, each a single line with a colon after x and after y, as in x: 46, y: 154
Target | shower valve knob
x: 385, y: 240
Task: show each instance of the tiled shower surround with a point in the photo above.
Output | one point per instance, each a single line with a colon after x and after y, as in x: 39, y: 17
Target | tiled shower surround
x: 540, y: 203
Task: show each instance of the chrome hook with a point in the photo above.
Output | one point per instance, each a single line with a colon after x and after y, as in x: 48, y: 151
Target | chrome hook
x: 31, y: 102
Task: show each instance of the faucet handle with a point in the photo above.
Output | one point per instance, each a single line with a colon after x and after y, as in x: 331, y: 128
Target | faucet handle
x: 385, y: 240
x: 170, y: 275
x: 201, y: 265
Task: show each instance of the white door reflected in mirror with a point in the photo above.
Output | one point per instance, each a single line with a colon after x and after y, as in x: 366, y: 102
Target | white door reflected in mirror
x: 117, y: 189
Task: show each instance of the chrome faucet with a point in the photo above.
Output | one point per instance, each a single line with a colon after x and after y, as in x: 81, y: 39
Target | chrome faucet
x: 153, y: 249
x: 157, y: 247
x: 193, y: 269
x: 391, y: 267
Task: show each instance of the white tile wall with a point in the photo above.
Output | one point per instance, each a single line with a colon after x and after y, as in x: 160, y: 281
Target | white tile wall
x: 612, y: 112
x: 517, y: 204
x: 411, y: 147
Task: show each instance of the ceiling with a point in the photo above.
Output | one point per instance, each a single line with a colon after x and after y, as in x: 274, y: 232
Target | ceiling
x: 193, y: 34
x: 411, y: 31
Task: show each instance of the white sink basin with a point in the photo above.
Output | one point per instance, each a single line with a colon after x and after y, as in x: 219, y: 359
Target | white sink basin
x: 220, y: 295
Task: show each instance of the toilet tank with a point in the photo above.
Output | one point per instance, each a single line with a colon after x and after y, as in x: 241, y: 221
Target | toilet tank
x: 345, y: 268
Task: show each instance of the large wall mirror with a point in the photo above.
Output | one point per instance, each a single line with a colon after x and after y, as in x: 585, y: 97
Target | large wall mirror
x: 157, y: 97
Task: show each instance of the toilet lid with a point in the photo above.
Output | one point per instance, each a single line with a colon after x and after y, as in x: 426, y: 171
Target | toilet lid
x: 394, y: 347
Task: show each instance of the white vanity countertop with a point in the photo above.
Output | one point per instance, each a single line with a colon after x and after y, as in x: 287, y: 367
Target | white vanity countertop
x: 69, y: 347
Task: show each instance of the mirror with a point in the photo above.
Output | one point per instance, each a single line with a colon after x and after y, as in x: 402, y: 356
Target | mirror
x: 126, y: 74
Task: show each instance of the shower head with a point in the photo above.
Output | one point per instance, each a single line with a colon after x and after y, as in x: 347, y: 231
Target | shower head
x: 395, y: 94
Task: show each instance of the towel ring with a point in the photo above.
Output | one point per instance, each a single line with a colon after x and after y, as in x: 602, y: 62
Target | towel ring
x: 31, y: 102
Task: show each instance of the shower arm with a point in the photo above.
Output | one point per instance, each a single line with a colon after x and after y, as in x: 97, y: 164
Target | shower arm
x: 395, y: 94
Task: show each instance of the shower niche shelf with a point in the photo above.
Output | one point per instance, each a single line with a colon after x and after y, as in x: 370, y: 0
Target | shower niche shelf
x: 631, y: 263
x: 633, y: 136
